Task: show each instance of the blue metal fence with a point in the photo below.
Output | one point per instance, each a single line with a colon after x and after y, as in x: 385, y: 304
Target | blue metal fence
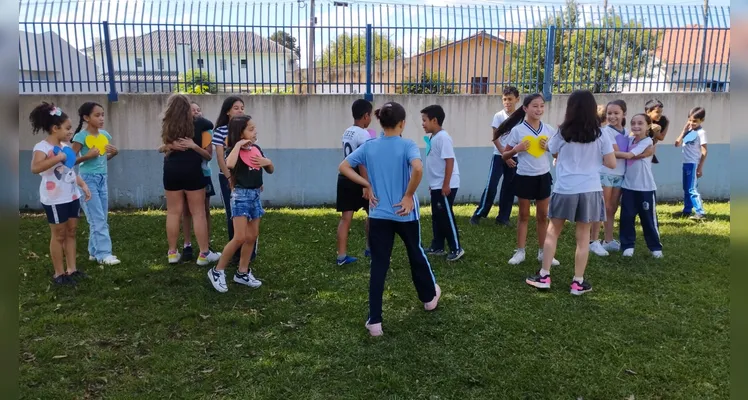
x: 196, y: 46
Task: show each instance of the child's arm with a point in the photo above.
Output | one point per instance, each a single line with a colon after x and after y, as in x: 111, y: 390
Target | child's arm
x: 111, y: 151
x: 679, y: 140
x: 92, y: 153
x: 448, y: 168
x: 82, y: 184
x: 233, y: 156
x: 190, y: 144
x: 497, y: 142
x: 407, y: 204
x: 510, y: 151
x: 649, y: 151
x: 222, y: 162
x: 699, y: 169
x: 347, y: 170
x: 40, y: 162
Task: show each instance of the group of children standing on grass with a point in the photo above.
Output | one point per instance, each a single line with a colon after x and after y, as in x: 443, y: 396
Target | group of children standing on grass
x: 598, y: 162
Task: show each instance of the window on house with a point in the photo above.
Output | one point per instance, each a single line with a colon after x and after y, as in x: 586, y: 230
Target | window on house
x: 479, y: 85
x: 160, y: 63
x: 223, y: 65
x: 200, y: 63
x: 139, y: 62
x: 243, y: 63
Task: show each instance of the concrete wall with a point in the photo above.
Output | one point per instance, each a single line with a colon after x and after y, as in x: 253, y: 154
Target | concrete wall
x: 301, y: 134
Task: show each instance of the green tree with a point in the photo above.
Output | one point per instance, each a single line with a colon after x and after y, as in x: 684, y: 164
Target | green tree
x: 196, y: 82
x: 596, y: 56
x: 430, y: 43
x: 429, y: 83
x: 286, y: 40
x: 351, y: 49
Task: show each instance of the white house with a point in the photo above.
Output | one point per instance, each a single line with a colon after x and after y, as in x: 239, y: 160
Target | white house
x: 49, y: 64
x: 236, y: 61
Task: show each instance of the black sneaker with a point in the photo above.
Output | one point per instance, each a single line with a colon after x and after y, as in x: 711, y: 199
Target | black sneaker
x: 78, y: 275
x: 63, y: 280
x: 187, y: 254
x: 475, y: 220
x: 508, y: 224
x: 455, y: 255
x: 579, y: 289
x: 435, y: 252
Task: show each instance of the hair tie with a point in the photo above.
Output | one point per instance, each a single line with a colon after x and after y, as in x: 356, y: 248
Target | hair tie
x: 57, y: 111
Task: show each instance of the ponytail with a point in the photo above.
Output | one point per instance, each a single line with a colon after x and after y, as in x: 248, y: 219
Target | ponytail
x: 516, y: 118
x: 80, y: 126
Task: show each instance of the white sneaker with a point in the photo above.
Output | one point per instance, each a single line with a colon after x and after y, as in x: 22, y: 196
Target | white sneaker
x: 518, y: 257
x: 597, y: 248
x: 110, y: 260
x: 613, y: 245
x: 374, y: 329
x: 657, y: 254
x: 554, y: 263
x: 91, y: 258
x: 218, y: 280
x: 247, y: 279
x: 628, y: 253
x: 211, y: 257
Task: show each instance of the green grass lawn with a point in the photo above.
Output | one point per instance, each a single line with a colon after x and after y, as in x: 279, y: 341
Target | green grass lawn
x: 654, y: 329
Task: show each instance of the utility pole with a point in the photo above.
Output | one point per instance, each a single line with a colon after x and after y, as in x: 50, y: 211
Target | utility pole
x: 703, y: 45
x: 310, y: 70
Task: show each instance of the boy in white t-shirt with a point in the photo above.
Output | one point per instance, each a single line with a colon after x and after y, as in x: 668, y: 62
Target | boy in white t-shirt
x: 693, y: 141
x: 499, y: 167
x: 350, y: 195
x: 443, y: 178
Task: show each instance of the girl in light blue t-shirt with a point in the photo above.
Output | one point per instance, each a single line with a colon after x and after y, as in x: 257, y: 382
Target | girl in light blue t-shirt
x: 95, y: 149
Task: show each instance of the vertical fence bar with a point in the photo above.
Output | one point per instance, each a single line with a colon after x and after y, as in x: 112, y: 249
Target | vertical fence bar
x: 549, y: 56
x: 110, y: 64
x: 369, y: 96
x: 702, y: 85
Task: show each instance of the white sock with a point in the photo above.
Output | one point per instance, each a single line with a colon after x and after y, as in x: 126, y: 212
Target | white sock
x: 186, y: 245
x: 544, y: 273
x: 578, y: 279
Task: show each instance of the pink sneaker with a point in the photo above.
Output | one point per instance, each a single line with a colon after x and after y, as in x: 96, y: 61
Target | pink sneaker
x: 374, y: 329
x: 431, y: 305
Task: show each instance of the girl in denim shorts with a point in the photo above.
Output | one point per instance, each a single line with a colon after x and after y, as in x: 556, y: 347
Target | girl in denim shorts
x: 246, y: 162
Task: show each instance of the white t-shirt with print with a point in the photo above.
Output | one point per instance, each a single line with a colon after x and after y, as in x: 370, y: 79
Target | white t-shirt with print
x: 436, y: 164
x: 498, y: 118
x: 353, y: 138
x: 638, y: 175
x: 578, y: 164
x: 620, y: 168
x: 58, y: 184
x: 692, y: 150
x: 527, y: 164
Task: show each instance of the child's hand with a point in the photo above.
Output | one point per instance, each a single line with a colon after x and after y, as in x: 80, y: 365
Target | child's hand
x: 86, y: 193
x: 522, y: 146
x: 242, y: 143
x: 699, y: 172
x: 406, y: 206
x: 627, y: 156
x: 446, y: 190
x: 511, y: 163
x: 262, y: 161
x: 111, y: 150
x: 179, y: 145
x: 544, y: 144
x: 93, y: 152
x: 187, y: 143
x: 61, y: 157
x: 369, y: 195
x: 678, y: 142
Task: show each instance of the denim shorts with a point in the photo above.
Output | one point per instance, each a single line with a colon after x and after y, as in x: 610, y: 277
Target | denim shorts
x: 613, y: 181
x: 246, y: 203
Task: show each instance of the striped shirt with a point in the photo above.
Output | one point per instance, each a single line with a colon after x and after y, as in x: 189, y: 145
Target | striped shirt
x: 219, y: 136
